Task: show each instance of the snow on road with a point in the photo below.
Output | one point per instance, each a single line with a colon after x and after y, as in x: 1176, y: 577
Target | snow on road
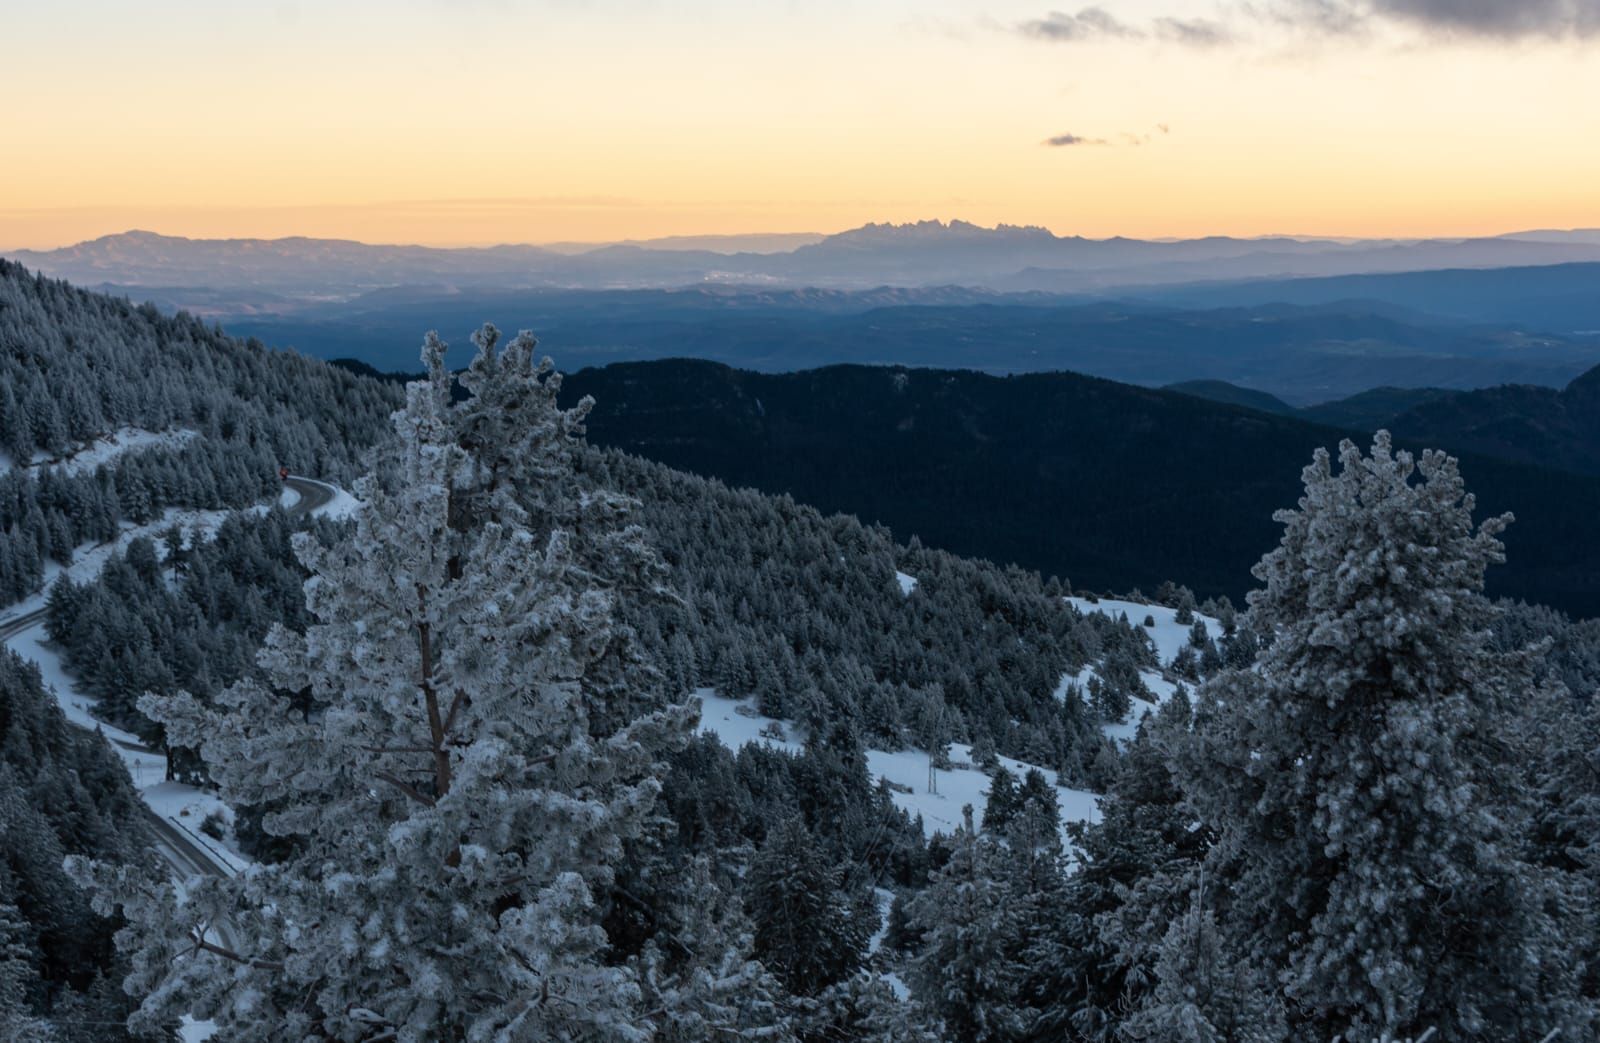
x: 342, y: 505
x: 185, y: 807
x: 106, y: 448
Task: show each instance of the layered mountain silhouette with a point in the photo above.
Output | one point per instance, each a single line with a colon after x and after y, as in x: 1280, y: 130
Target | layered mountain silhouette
x: 929, y: 253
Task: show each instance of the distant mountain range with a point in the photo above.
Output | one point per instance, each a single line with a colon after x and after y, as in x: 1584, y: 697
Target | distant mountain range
x: 930, y: 253
x: 1309, y: 320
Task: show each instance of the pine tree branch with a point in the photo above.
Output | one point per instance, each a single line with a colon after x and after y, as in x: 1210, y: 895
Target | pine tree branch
x: 405, y: 787
x: 455, y: 708
x: 441, y: 759
x: 200, y: 943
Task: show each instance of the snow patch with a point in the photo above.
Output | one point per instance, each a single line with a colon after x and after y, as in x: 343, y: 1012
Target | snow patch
x: 907, y: 583
x: 192, y: 1031
x: 1168, y: 634
x: 737, y: 724
x: 884, y: 899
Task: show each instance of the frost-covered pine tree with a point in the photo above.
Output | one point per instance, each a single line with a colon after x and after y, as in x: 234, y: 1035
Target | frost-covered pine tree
x: 440, y: 747
x: 717, y: 990
x: 808, y: 931
x: 1370, y: 852
x: 969, y: 969
x: 1200, y: 995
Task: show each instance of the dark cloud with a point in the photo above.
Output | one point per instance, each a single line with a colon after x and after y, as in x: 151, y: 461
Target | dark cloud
x: 1194, y: 32
x: 1091, y: 23
x: 1503, y: 19
x: 1489, y: 19
x: 1066, y: 140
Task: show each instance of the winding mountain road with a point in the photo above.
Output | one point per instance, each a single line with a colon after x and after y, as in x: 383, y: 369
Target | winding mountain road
x: 313, y: 494
x: 185, y: 853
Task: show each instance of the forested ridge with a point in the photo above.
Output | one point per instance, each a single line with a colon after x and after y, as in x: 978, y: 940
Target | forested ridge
x: 1112, y: 485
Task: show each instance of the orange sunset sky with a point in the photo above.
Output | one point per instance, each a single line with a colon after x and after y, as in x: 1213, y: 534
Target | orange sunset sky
x: 483, y: 121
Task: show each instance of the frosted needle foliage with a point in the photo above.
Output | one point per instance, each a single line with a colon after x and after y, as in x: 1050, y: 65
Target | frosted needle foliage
x: 1370, y: 860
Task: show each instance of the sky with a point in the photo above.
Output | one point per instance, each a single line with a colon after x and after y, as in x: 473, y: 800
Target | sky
x: 453, y: 122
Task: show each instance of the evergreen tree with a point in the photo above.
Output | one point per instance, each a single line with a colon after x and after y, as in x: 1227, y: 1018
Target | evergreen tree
x: 1200, y: 996
x: 455, y: 799
x: 970, y: 966
x: 808, y: 931
x: 1003, y: 801
x: 1098, y: 943
x: 1370, y: 852
x: 717, y: 989
x: 18, y: 974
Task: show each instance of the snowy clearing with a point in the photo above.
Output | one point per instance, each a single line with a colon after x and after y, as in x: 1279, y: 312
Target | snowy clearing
x: 1169, y: 637
x: 736, y: 723
x: 907, y: 583
x: 1168, y: 634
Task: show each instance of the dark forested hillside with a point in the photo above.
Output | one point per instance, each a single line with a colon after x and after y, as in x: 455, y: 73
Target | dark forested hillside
x: 62, y: 792
x: 1102, y: 483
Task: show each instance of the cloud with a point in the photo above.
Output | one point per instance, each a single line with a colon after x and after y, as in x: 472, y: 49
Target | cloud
x: 1096, y: 23
x: 1480, y: 19
x: 1194, y: 32
x: 1088, y: 24
x: 1494, y: 19
x: 1067, y: 140
x: 1070, y: 140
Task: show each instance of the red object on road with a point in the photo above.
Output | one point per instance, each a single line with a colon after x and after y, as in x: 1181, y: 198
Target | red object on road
x: 283, y: 474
